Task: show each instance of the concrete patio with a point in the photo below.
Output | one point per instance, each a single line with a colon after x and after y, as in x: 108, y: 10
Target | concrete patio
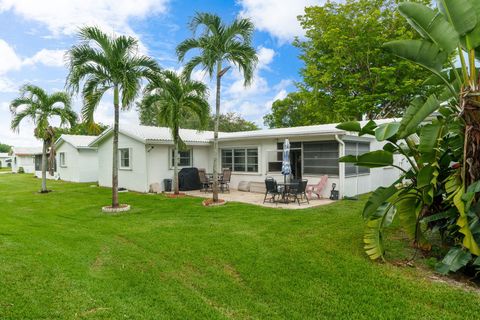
x: 257, y: 199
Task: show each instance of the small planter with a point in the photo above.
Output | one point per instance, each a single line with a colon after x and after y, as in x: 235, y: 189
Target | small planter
x: 210, y: 203
x: 120, y: 209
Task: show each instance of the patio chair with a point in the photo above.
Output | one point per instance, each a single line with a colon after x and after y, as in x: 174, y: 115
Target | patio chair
x: 317, y: 189
x: 271, y: 189
x: 297, y: 191
x: 225, y: 180
x: 204, y: 180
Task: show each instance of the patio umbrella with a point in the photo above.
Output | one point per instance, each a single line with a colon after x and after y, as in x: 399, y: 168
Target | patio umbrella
x: 286, y: 169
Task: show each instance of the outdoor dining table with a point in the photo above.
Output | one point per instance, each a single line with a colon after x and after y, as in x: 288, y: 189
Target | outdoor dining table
x: 286, y: 188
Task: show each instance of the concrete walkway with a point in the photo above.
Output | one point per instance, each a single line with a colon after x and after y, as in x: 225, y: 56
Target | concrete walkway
x: 257, y: 199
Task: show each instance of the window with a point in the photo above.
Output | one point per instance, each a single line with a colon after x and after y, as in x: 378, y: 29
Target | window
x: 355, y: 149
x: 63, y: 162
x: 184, y: 158
x: 320, y: 157
x: 125, y: 162
x: 240, y: 159
x: 38, y: 162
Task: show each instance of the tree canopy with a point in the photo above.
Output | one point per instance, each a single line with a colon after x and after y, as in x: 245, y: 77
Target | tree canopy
x: 347, y: 74
x: 5, y: 148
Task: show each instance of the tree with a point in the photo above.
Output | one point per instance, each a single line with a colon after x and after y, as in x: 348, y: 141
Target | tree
x: 347, y: 74
x: 217, y: 45
x: 229, y: 122
x: 441, y: 190
x: 170, y: 97
x: 36, y: 104
x: 83, y: 129
x: 5, y: 148
x: 107, y: 63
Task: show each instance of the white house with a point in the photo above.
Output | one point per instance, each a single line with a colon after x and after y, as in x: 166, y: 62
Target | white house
x: 76, y: 160
x: 146, y: 156
x: 5, y: 160
x: 24, y: 158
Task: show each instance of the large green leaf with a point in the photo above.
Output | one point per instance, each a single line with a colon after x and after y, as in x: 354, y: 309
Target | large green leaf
x: 455, y: 259
x: 422, y: 52
x: 373, y: 239
x: 352, y: 126
x: 376, y: 199
x: 386, y: 131
x: 416, y: 113
x: 407, y: 211
x: 430, y: 24
x: 430, y: 137
x: 460, y: 13
x: 374, y: 159
x: 468, y: 239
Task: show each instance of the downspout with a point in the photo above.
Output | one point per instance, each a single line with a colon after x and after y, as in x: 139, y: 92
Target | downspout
x: 341, y: 167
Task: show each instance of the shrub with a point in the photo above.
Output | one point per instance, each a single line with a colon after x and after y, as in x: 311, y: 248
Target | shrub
x: 21, y: 170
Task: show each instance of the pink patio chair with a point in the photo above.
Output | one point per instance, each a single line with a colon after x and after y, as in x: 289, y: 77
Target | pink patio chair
x: 317, y: 188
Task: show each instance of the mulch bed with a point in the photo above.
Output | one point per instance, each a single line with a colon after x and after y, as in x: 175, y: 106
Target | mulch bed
x: 210, y: 203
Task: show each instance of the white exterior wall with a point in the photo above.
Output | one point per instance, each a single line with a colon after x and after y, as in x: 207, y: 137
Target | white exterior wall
x: 3, y: 162
x: 159, y: 162
x: 81, y: 165
x: 27, y: 162
x: 135, y: 178
x: 365, y: 183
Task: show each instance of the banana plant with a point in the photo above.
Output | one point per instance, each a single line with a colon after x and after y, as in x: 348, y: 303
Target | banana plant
x: 449, y: 33
x: 416, y: 198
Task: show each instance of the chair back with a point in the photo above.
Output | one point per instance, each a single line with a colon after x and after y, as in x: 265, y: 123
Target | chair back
x: 302, y: 185
x: 202, y: 175
x: 227, y: 173
x: 270, y: 185
x: 322, y: 183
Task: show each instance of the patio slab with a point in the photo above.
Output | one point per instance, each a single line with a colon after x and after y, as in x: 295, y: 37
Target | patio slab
x: 257, y: 199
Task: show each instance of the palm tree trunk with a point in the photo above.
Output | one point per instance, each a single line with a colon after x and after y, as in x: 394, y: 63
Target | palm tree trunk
x: 44, y: 167
x: 115, y: 148
x: 471, y: 158
x: 215, y: 135
x: 175, y: 168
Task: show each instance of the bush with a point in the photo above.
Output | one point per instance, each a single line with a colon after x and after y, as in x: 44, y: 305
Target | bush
x: 21, y: 170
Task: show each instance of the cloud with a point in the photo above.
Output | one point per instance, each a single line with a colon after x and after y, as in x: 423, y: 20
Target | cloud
x: 64, y: 17
x: 277, y: 17
x: 9, y: 59
x: 50, y: 58
x: 265, y: 57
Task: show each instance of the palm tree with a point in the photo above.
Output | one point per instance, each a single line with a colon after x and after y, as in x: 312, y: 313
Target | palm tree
x: 173, y: 98
x: 36, y: 104
x: 103, y: 63
x: 220, y: 46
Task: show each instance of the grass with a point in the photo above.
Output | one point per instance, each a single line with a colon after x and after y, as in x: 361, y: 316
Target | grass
x: 5, y: 169
x: 60, y: 258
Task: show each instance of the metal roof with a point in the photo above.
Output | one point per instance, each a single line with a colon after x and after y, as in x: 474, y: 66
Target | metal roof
x: 77, y: 141
x: 26, y: 151
x: 150, y: 134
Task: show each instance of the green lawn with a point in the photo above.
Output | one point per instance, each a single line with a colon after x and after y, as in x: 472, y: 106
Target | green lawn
x: 173, y: 259
x: 5, y: 169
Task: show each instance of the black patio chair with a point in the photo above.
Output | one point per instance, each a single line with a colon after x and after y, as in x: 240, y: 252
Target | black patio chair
x: 271, y: 189
x: 297, y: 191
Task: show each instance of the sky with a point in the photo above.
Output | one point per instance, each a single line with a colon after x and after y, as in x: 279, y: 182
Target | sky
x: 34, y: 36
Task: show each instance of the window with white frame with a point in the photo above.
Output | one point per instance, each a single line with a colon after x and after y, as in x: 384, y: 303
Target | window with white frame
x: 355, y: 148
x: 240, y: 159
x: 125, y: 158
x: 184, y: 158
x: 63, y: 159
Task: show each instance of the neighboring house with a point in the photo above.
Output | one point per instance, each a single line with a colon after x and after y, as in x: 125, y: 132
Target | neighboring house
x: 5, y: 160
x: 146, y: 157
x: 24, y: 158
x: 38, y: 165
x: 76, y: 161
